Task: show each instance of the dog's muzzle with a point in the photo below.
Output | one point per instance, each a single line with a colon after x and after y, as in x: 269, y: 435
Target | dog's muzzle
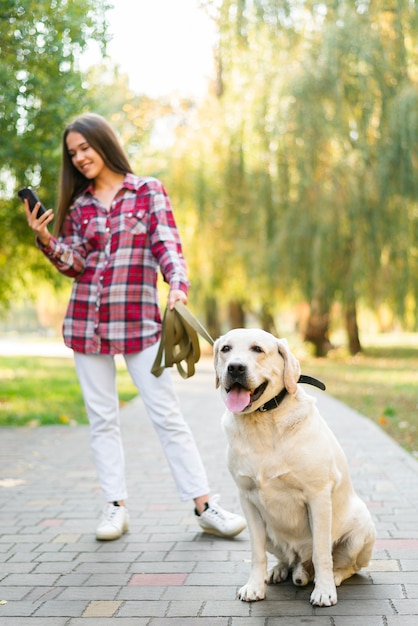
x: 239, y: 393
x: 237, y: 372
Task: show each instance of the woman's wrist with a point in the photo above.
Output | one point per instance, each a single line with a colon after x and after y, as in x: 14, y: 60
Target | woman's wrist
x: 44, y: 240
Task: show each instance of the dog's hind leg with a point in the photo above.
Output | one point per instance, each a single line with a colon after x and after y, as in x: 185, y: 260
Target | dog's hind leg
x: 352, y: 554
x: 278, y: 573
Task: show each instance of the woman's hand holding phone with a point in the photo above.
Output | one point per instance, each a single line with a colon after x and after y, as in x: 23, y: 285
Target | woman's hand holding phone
x: 37, y: 215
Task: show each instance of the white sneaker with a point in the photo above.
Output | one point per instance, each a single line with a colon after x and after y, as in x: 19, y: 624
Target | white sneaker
x: 115, y: 522
x: 216, y: 521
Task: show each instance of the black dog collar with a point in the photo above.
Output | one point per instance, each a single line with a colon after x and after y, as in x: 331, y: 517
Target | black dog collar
x: 274, y: 402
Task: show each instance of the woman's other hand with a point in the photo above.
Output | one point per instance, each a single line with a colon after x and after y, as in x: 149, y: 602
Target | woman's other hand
x: 174, y: 296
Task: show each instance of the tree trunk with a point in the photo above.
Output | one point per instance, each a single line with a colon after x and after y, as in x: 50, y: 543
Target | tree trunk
x: 354, y: 344
x: 267, y: 320
x: 317, y: 330
x: 236, y: 314
x: 212, y: 317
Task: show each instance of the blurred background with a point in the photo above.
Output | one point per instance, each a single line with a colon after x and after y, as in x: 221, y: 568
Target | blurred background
x: 285, y: 132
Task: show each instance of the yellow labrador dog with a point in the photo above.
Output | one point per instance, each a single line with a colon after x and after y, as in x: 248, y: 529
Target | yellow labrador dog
x: 292, y: 474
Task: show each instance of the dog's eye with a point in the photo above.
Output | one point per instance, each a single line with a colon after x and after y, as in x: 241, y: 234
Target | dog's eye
x: 257, y: 349
x: 225, y: 348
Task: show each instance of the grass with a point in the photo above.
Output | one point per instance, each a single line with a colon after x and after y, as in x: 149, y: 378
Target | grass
x: 381, y: 383
x: 44, y: 390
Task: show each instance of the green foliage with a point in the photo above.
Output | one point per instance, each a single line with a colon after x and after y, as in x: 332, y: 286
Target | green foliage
x: 309, y: 180
x: 44, y: 390
x: 295, y: 179
x: 42, y: 88
x: 380, y: 383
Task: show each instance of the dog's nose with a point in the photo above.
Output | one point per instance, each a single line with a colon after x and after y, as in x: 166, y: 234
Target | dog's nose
x: 236, y: 369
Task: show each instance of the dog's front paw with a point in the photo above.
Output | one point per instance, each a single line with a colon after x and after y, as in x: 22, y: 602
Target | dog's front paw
x: 277, y: 574
x: 252, y: 592
x: 325, y: 595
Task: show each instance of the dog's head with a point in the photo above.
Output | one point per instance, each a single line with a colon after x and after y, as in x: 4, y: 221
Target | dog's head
x: 252, y: 366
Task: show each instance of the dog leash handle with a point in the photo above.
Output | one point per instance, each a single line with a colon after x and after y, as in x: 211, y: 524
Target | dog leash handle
x: 194, y: 323
x: 179, y: 342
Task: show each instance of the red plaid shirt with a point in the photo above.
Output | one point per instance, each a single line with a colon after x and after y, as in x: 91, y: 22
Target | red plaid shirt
x: 114, y: 257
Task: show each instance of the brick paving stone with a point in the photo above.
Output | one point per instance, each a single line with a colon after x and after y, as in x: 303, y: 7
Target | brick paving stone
x: 12, y: 593
x: 144, y: 608
x: 86, y: 593
x: 190, y: 621
x: 18, y: 609
x: 158, y: 580
x: 412, y: 590
x: 42, y: 593
x: 99, y: 579
x: 122, y: 558
x: 146, y: 593
x: 406, y: 606
x: 17, y: 568
x: 59, y: 608
x: 214, y: 608
x: 57, y: 567
x: 72, y: 580
x: 388, y: 578
x: 203, y: 593
x: 288, y: 621
x: 34, y: 621
x: 162, y: 567
x: 185, y: 608
x: 101, y: 569
x: 110, y: 621
x: 363, y: 608
x: 101, y: 608
x: 382, y: 565
x: 358, y: 620
x: 165, y: 572
x: 370, y: 592
x: 31, y: 580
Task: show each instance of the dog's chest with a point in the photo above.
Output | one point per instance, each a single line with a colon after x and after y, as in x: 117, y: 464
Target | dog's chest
x: 258, y: 461
x: 256, y: 472
x: 275, y: 490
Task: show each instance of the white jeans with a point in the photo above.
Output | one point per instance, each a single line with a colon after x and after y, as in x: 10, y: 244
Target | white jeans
x: 97, y: 376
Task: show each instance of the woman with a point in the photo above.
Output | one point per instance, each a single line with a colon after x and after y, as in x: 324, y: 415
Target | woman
x: 113, y: 232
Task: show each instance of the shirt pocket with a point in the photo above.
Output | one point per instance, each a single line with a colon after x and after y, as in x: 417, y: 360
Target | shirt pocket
x: 91, y: 225
x: 136, y: 223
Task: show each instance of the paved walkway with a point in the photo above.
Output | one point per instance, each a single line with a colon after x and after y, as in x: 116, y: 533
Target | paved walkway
x: 164, y: 571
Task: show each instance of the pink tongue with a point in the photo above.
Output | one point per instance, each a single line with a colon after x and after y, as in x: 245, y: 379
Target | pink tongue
x: 237, y: 399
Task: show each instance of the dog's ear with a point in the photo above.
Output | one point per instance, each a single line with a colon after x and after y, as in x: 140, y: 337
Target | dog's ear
x: 291, y: 372
x: 215, y: 359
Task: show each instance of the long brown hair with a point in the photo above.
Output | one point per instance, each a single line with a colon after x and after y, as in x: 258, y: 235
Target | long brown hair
x: 102, y: 138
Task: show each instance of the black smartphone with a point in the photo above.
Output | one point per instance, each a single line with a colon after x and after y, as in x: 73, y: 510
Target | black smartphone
x: 29, y: 194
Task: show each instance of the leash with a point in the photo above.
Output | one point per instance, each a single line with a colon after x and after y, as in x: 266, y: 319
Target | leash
x: 179, y: 342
